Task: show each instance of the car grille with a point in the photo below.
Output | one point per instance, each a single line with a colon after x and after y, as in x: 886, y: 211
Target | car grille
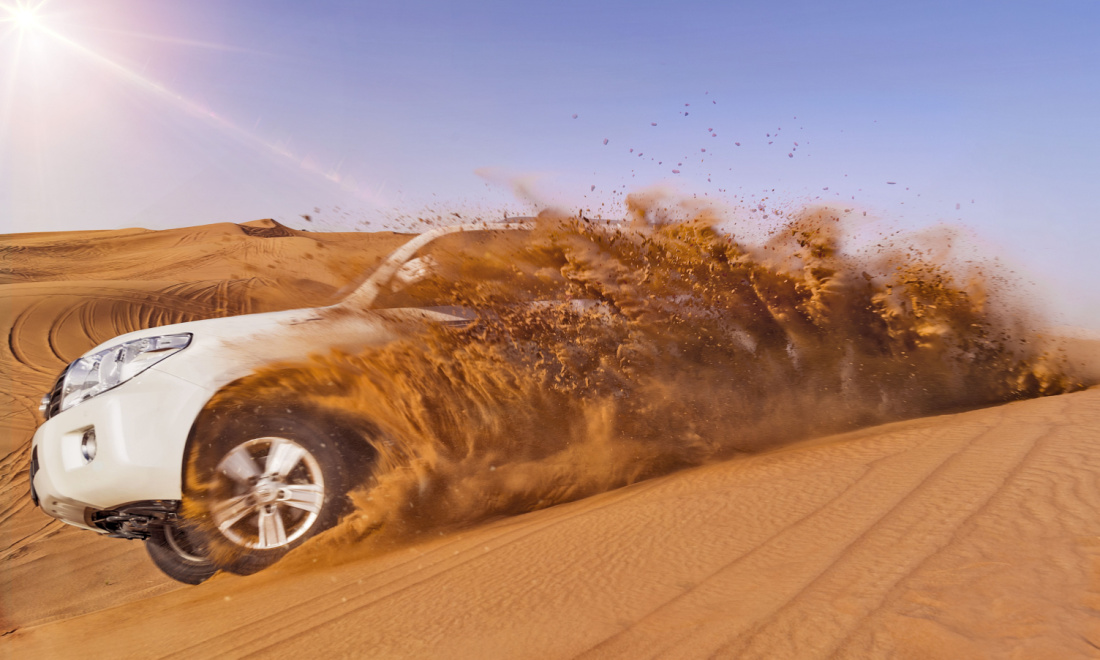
x: 33, y: 471
x: 54, y: 404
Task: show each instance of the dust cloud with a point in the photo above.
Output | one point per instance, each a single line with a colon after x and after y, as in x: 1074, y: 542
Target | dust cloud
x: 602, y: 354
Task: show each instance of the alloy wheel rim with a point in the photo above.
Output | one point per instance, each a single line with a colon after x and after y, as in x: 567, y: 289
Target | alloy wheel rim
x: 271, y: 491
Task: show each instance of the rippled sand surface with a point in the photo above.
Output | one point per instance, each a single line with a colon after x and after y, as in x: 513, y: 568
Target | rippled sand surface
x: 973, y: 534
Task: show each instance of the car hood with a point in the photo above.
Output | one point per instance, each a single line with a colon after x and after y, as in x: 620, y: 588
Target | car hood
x: 219, y: 328
x: 225, y: 349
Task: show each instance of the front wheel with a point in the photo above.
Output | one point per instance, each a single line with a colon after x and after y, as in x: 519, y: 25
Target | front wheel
x: 177, y: 555
x: 268, y: 483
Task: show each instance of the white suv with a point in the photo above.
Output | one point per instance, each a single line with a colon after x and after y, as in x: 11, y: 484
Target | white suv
x: 129, y: 422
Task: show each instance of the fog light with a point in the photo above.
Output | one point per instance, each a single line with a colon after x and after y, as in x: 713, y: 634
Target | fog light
x: 87, y: 445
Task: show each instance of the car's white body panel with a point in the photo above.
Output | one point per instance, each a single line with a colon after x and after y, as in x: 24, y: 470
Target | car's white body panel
x: 141, y: 429
x: 142, y: 425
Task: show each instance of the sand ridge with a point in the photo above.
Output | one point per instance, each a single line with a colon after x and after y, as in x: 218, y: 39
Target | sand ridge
x: 966, y: 535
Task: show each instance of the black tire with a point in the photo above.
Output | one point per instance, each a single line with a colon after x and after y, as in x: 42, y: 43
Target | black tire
x: 177, y: 556
x: 264, y: 482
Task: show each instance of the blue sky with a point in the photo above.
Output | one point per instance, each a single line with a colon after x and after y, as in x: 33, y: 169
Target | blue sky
x: 118, y: 113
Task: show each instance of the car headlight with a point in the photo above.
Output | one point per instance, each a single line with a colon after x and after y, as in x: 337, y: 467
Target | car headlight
x: 111, y: 367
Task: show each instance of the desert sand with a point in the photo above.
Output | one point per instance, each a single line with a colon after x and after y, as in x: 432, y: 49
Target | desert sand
x: 974, y: 534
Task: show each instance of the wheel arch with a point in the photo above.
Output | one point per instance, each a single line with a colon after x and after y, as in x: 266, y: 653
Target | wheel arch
x: 353, y: 434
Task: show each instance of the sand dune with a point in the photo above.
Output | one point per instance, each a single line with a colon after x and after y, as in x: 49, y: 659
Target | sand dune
x: 63, y: 293
x: 966, y: 535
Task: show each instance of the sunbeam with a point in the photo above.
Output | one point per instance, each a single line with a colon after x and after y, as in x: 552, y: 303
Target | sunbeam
x: 191, y: 43
x: 26, y: 19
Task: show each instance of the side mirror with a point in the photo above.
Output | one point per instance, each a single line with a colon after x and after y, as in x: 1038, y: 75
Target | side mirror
x: 413, y: 271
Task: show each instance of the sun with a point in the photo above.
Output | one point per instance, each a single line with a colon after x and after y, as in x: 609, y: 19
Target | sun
x: 25, y: 18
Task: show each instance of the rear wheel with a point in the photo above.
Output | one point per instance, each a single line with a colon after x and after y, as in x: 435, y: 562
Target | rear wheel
x: 268, y: 483
x: 177, y: 555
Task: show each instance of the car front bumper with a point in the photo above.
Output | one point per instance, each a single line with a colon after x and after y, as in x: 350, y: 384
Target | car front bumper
x: 141, y: 430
